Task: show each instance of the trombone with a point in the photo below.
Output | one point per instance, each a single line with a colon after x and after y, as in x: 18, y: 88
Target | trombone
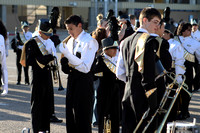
x: 160, y: 109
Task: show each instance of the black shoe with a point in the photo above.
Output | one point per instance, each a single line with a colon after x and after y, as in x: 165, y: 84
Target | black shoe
x: 95, y: 124
x: 18, y: 83
x: 55, y: 119
x: 183, y: 116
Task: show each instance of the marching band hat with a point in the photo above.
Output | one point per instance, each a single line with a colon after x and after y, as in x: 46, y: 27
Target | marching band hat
x: 194, y: 22
x: 109, y: 43
x: 45, y: 27
x: 24, y: 24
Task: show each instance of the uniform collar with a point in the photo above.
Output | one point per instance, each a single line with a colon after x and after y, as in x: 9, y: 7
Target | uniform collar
x: 142, y: 30
x: 153, y: 34
x: 80, y: 36
x: 108, y: 57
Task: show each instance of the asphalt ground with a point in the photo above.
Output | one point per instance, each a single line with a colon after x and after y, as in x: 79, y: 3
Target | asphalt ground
x: 15, y: 107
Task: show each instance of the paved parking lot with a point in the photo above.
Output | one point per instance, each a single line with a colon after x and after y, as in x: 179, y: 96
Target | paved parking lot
x: 15, y: 107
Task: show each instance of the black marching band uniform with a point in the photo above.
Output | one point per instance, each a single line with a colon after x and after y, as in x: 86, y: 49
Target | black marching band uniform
x: 37, y: 56
x: 79, y: 96
x: 140, y: 91
x: 108, y: 92
x: 21, y: 38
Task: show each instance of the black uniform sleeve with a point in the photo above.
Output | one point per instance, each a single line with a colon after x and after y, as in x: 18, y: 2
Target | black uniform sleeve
x: 33, y: 52
x: 165, y: 56
x: 64, y: 65
x: 99, y: 65
x: 45, y: 59
x: 148, y: 79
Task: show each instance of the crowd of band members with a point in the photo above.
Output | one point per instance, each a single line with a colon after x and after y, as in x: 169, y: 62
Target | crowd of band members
x: 98, y: 63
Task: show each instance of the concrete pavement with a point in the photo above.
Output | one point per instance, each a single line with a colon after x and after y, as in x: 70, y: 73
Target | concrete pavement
x: 15, y: 107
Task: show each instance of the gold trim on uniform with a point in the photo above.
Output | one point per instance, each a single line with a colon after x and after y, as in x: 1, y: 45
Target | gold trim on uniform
x: 22, y: 37
x: 39, y: 64
x: 159, y: 39
x: 173, y: 64
x: 72, y: 66
x: 43, y: 51
x: 48, y: 32
x: 100, y: 74
x: 110, y: 65
x: 150, y: 92
x: 188, y: 56
x: 139, y: 51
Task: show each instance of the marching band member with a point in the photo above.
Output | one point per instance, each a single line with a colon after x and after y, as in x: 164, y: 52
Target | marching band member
x: 37, y: 53
x: 195, y: 31
x: 191, y: 50
x: 195, y: 34
x: 22, y: 37
x: 177, y: 52
x: 79, y: 51
x: 3, y: 66
x: 136, y: 66
x: 108, y: 92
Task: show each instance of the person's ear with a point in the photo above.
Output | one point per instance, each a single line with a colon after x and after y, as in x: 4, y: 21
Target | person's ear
x: 144, y: 20
x: 80, y: 25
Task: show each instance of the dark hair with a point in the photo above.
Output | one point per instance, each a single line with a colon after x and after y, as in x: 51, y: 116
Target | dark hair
x: 149, y: 13
x: 161, y: 22
x: 3, y: 30
x: 74, y: 19
x: 183, y: 27
x: 169, y: 32
x: 132, y: 16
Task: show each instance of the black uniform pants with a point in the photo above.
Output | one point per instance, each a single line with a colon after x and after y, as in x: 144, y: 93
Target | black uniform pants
x: 131, y: 115
x: 19, y: 68
x: 196, y: 80
x: 184, y: 95
x: 79, y: 102
x: 109, y: 106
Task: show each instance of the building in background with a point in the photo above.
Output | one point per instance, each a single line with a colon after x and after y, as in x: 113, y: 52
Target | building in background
x: 14, y: 11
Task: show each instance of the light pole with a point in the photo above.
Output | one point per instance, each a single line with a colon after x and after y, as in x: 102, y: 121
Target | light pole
x: 116, y: 7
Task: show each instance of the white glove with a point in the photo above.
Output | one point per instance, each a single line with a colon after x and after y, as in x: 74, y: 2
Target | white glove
x: 179, y: 79
x: 63, y: 49
x: 72, y: 59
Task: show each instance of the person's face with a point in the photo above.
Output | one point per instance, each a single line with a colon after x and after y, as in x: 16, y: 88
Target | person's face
x: 194, y: 28
x: 45, y: 37
x: 111, y: 52
x: 26, y: 28
x: 160, y: 30
x: 187, y: 32
x: 74, y: 30
x: 152, y: 25
x: 132, y: 21
x: 166, y: 36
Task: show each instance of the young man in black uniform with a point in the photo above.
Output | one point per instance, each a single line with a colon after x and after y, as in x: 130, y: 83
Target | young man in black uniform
x: 136, y: 67
x: 108, y: 92
x: 79, y: 53
x: 21, y: 38
x: 36, y: 54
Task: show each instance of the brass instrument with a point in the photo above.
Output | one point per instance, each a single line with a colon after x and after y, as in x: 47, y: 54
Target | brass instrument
x: 107, y: 125
x: 160, y: 109
x: 56, y: 73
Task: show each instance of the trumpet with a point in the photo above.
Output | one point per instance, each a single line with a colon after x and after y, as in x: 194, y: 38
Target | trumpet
x: 56, y: 73
x: 160, y: 109
x: 107, y: 125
